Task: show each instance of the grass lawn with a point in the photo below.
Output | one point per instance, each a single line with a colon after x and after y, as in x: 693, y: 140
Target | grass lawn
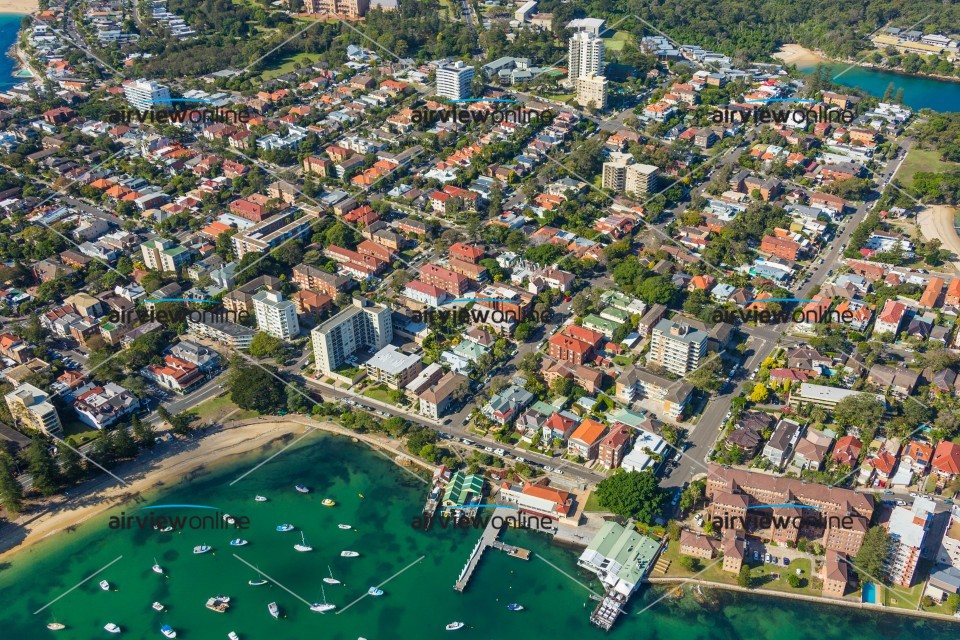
x: 593, y: 503
x: 78, y: 432
x: 617, y: 40
x: 380, y: 393
x: 214, y: 409
x: 714, y: 573
x: 559, y: 97
x: 922, y: 160
x: 287, y: 65
x: 901, y: 598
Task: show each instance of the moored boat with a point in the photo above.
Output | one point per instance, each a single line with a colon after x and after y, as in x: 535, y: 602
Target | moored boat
x: 56, y: 626
x: 344, y: 526
x: 274, y: 610
x: 302, y: 488
x: 156, y: 567
x: 257, y: 583
x: 303, y: 546
x: 105, y: 585
x: 260, y: 498
x: 322, y: 607
x: 217, y: 605
x: 513, y: 606
x: 237, y: 542
x: 233, y: 635
x: 375, y: 591
x: 112, y: 628
x: 201, y: 548
x: 284, y: 527
x: 229, y: 519
x: 453, y: 626
x: 349, y: 554
x: 331, y: 579
x: 157, y: 606
x: 166, y: 529
x: 327, y: 502
x: 168, y: 631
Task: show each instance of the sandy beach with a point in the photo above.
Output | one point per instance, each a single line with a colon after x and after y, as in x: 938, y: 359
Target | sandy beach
x: 18, y: 6
x: 154, y: 472
x: 796, y: 54
x: 937, y: 222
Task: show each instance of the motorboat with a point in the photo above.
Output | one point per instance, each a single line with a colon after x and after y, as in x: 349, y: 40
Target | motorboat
x: 513, y: 606
x: 374, y: 591
x: 201, y: 548
x: 156, y: 567
x: 56, y: 626
x: 105, y: 585
x: 168, y: 631
x: 156, y: 606
x: 284, y: 527
x: 112, y: 628
x: 261, y: 499
x: 349, y: 554
x: 302, y: 488
x: 303, y: 546
x: 453, y: 626
x: 331, y: 579
x: 233, y: 635
x: 274, y: 610
x: 327, y: 502
x: 345, y: 527
x: 229, y: 519
x: 222, y: 598
x: 217, y: 605
x: 237, y: 542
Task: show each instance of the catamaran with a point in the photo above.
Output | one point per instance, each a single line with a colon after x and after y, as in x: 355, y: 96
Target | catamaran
x: 322, y: 607
x: 274, y: 610
x: 302, y: 488
x: 157, y: 606
x: 327, y: 502
x: 284, y: 527
x: 374, y: 591
x: 105, y: 585
x: 303, y: 546
x: 261, y: 498
x: 349, y: 554
x: 201, y: 548
x: 513, y: 606
x: 257, y: 583
x: 156, y: 566
x: 331, y: 579
x: 237, y: 542
x: 453, y: 626
x: 168, y: 631
x: 112, y: 628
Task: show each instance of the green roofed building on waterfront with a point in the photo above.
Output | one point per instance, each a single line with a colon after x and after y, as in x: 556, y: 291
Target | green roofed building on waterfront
x: 461, y: 488
x: 620, y: 557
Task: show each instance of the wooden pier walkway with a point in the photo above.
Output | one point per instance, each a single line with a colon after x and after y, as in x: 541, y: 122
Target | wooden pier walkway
x: 489, y: 539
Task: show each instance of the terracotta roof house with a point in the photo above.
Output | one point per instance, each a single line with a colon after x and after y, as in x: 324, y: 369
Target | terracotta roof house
x: 847, y: 451
x: 946, y: 460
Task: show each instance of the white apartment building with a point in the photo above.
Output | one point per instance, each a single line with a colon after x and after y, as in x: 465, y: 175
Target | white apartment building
x: 592, y: 89
x: 276, y: 316
x: 641, y: 179
x: 677, y: 347
x: 363, y: 325
x: 146, y: 95
x: 30, y: 408
x: 615, y: 171
x: 585, y: 55
x: 907, y: 527
x: 453, y: 80
x: 949, y: 552
x: 164, y: 255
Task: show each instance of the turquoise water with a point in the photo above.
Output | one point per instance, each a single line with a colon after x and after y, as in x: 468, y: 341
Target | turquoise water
x: 416, y: 604
x: 918, y: 92
x: 9, y: 30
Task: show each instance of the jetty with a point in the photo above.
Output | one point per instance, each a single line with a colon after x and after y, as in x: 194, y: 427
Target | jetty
x: 488, y: 539
x: 609, y: 609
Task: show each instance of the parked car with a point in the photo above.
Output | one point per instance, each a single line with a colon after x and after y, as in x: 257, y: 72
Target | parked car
x: 766, y: 558
x: 901, y: 503
x: 756, y: 555
x: 786, y: 562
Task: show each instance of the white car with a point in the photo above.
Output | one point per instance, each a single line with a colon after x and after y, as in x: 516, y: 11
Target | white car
x: 488, y: 449
x: 500, y: 452
x: 546, y: 468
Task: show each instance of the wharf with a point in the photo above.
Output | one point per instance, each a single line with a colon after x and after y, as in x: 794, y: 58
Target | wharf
x: 488, y: 539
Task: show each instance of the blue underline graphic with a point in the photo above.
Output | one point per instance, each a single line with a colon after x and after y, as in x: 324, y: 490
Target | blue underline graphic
x: 180, y: 506
x: 478, y: 506
x: 765, y: 100
x: 182, y: 300
x: 778, y: 300
x: 785, y: 504
x: 482, y: 300
x: 503, y: 100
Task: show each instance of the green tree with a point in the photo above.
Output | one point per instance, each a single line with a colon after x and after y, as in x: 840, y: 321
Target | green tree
x: 72, y: 469
x: 124, y: 446
x: 693, y: 495
x: 743, y: 578
x: 11, y: 493
x: 633, y: 494
x: 144, y: 432
x: 869, y: 561
x: 43, y: 467
x: 255, y: 388
x: 794, y: 580
x: 689, y: 563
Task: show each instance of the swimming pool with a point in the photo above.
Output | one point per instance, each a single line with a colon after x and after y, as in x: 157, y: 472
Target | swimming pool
x: 869, y: 593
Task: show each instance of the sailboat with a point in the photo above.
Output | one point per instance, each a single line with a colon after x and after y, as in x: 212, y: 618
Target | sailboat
x: 274, y: 610
x: 331, y: 579
x: 257, y: 583
x: 324, y: 606
x: 105, y: 585
x: 375, y: 591
x: 156, y: 567
x: 56, y: 626
x: 166, y: 529
x: 261, y: 498
x: 112, y: 628
x: 303, y: 546
x: 349, y: 554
